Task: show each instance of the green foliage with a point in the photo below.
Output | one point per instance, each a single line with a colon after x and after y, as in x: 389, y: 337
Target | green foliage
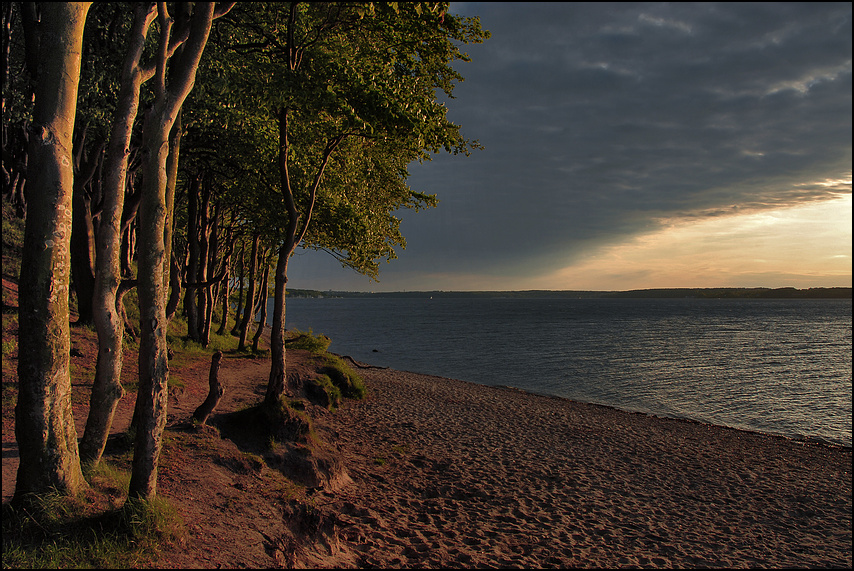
x: 317, y: 344
x: 345, y: 378
x: 324, y: 390
x: 355, y: 105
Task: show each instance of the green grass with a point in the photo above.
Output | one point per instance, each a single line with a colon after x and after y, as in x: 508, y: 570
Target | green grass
x: 58, y: 531
x: 317, y: 344
x: 324, y: 386
x: 177, y: 340
x: 343, y: 376
x: 13, y: 241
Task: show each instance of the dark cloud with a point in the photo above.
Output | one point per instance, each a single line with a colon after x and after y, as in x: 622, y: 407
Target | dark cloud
x: 598, y: 119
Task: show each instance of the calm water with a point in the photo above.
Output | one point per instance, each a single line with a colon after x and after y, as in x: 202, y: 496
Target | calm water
x: 775, y: 366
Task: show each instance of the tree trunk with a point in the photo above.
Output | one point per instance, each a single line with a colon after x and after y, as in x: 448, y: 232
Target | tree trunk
x: 153, y: 364
x: 174, y: 288
x: 249, y: 311
x: 224, y: 290
x: 171, y: 183
x: 44, y: 422
x: 294, y: 234
x: 241, y: 276
x: 263, y: 320
x: 211, y: 288
x: 83, y: 255
x: 214, y: 394
x: 276, y: 386
x: 191, y: 307
x: 84, y: 205
x: 225, y: 293
x: 203, y: 291
x: 108, y: 308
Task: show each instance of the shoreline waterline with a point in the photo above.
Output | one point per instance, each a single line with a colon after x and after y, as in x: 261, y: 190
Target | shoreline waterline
x: 797, y: 439
x: 771, y: 366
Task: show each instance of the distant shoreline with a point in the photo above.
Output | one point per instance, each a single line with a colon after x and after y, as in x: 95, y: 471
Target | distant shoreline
x: 660, y: 293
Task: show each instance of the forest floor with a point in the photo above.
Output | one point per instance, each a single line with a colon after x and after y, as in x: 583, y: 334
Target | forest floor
x: 236, y: 510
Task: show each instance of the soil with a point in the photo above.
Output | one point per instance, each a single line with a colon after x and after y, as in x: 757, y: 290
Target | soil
x: 237, y: 511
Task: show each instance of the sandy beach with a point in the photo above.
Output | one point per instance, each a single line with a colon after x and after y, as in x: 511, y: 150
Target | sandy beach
x: 449, y: 473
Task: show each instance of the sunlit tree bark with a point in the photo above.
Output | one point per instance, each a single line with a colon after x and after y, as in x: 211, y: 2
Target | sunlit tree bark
x: 153, y: 210
x: 44, y: 423
x: 107, y: 388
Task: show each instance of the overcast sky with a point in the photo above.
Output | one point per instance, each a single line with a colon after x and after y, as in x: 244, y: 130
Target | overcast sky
x: 636, y: 145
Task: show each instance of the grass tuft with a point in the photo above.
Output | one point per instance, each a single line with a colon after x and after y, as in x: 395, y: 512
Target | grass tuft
x: 58, y: 531
x: 343, y: 376
x: 317, y: 344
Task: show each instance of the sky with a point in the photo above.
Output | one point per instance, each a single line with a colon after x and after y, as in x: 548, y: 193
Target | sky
x: 634, y: 146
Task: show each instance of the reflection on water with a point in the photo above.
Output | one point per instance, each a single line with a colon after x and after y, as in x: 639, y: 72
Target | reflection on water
x: 777, y: 366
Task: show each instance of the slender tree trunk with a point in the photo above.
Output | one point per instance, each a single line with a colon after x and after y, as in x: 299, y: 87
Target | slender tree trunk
x: 249, y: 311
x: 127, y: 251
x: 240, y: 278
x: 212, y: 247
x: 215, y: 391
x: 174, y: 288
x: 153, y: 365
x: 171, y: 183
x: 83, y: 233
x: 191, y: 307
x: 225, y: 290
x: 297, y: 228
x: 44, y: 422
x: 83, y: 255
x: 276, y: 387
x: 108, y: 310
x: 203, y: 291
x: 225, y: 293
x: 263, y: 296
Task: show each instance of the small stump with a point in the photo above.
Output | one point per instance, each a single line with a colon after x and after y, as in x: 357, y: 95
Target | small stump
x: 216, y: 391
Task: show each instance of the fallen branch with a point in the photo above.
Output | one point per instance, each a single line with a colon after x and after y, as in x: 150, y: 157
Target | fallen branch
x: 360, y: 365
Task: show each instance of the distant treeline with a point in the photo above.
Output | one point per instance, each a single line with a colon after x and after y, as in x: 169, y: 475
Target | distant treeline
x: 707, y: 293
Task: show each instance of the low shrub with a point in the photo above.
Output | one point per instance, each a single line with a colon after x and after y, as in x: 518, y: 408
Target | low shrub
x: 317, y: 344
x: 324, y: 392
x: 344, y: 377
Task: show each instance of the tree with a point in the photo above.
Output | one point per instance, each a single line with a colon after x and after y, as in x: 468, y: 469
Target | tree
x: 107, y: 388
x: 342, y: 74
x: 159, y: 121
x: 44, y: 423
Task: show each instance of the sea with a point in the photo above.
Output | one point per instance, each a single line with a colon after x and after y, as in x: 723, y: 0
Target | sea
x: 773, y: 366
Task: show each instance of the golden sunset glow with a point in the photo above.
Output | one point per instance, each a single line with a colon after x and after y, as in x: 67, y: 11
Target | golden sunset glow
x: 801, y: 246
